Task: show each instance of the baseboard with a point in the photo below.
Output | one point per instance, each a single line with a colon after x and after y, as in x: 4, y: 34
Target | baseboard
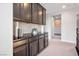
x: 69, y: 41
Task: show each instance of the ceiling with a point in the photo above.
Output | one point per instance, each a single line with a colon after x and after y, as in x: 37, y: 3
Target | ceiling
x: 54, y: 8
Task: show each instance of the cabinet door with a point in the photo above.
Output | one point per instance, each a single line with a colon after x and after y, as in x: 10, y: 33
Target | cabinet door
x: 21, y: 51
x: 78, y: 45
x: 44, y: 16
x: 34, y: 13
x: 41, y: 44
x: 78, y: 41
x: 27, y: 12
x: 22, y: 11
x: 16, y: 10
x: 40, y: 14
x: 33, y: 48
x: 46, y: 41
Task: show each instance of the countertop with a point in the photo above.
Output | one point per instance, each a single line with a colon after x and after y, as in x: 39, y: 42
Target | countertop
x: 25, y: 39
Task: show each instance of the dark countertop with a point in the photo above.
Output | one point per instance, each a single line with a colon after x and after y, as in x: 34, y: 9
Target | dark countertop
x: 16, y: 40
x: 28, y: 35
x: 25, y: 38
x: 19, y: 43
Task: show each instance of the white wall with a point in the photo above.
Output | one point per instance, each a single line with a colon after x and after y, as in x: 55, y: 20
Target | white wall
x: 6, y: 47
x: 48, y: 27
x: 68, y: 26
x: 27, y: 28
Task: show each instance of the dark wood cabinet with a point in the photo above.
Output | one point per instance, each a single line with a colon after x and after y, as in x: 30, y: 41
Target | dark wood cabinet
x: 27, y: 12
x: 41, y: 43
x: 16, y: 11
x: 40, y: 14
x: 77, y: 37
x: 33, y: 45
x: 33, y: 48
x: 78, y: 45
x: 44, y: 16
x: 46, y: 40
x: 77, y: 41
x: 30, y: 46
x: 20, y: 47
x: 21, y: 51
x: 21, y: 13
x: 34, y: 13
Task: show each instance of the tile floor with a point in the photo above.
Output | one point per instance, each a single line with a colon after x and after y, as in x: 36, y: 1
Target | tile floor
x: 59, y: 48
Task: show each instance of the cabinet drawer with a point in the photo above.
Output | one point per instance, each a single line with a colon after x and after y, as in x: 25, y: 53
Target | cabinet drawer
x: 41, y: 36
x: 33, y: 39
x: 46, y: 34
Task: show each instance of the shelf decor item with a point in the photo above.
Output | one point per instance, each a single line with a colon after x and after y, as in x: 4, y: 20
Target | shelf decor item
x: 34, y: 32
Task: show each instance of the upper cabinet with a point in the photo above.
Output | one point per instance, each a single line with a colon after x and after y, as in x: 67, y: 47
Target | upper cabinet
x: 40, y: 14
x: 21, y: 13
x: 29, y: 13
x: 16, y: 11
x: 34, y: 13
x: 44, y: 16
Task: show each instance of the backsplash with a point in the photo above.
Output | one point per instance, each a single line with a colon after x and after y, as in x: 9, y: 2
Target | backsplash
x: 27, y: 27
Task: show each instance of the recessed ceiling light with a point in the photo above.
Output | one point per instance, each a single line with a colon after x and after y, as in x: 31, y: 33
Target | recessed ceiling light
x: 64, y: 6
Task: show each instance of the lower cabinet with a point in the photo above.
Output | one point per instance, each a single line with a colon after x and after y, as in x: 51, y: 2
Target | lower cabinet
x: 46, y: 41
x: 34, y: 48
x: 30, y: 47
x: 77, y: 42
x: 41, y: 43
x: 21, y: 51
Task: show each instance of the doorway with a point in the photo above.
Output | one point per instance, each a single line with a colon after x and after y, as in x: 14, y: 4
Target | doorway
x: 57, y: 27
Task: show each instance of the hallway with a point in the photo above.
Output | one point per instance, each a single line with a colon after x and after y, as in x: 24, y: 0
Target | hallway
x: 59, y: 48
